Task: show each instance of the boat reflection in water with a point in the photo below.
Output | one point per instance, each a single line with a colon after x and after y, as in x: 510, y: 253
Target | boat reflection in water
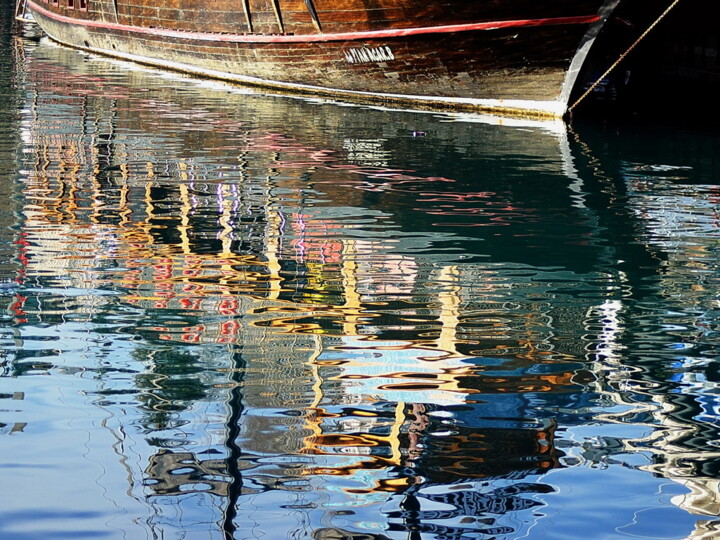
x: 312, y: 320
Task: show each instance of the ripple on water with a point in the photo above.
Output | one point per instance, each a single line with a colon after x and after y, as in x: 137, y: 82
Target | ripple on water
x: 221, y: 317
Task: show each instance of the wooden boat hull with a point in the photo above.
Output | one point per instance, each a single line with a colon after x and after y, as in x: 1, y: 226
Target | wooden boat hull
x: 521, y: 66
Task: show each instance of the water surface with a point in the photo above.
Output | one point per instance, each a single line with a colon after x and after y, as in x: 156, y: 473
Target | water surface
x: 235, y: 315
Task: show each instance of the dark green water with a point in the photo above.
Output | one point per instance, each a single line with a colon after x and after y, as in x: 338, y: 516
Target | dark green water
x: 233, y: 315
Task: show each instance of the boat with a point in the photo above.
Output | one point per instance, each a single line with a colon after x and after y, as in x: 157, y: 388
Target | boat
x: 519, y: 57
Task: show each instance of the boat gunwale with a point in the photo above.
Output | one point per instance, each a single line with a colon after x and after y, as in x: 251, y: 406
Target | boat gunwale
x: 314, y: 38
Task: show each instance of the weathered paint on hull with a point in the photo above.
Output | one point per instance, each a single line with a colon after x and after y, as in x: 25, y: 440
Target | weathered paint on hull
x: 511, y: 66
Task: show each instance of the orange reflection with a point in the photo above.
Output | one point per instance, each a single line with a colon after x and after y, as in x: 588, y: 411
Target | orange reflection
x: 339, y: 317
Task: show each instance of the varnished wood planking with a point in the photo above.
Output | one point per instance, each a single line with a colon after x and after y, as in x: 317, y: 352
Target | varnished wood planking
x: 227, y: 16
x: 482, y: 64
x: 418, y: 67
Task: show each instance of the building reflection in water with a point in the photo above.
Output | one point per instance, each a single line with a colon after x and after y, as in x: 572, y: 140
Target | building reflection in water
x: 296, y: 328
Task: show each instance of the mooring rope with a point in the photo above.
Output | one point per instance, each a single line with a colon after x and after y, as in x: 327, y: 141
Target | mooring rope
x: 624, y: 55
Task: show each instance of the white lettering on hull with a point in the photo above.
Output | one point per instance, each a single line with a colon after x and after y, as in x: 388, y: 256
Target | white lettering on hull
x: 367, y: 55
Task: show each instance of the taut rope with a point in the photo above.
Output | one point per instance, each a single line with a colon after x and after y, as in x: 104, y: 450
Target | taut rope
x: 624, y: 55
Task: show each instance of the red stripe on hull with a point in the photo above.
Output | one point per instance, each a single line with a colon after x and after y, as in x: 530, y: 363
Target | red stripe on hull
x: 313, y: 38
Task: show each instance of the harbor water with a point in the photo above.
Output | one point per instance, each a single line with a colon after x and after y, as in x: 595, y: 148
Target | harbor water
x: 227, y: 314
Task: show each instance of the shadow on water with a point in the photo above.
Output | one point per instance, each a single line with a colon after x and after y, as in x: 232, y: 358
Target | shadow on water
x: 288, y: 316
